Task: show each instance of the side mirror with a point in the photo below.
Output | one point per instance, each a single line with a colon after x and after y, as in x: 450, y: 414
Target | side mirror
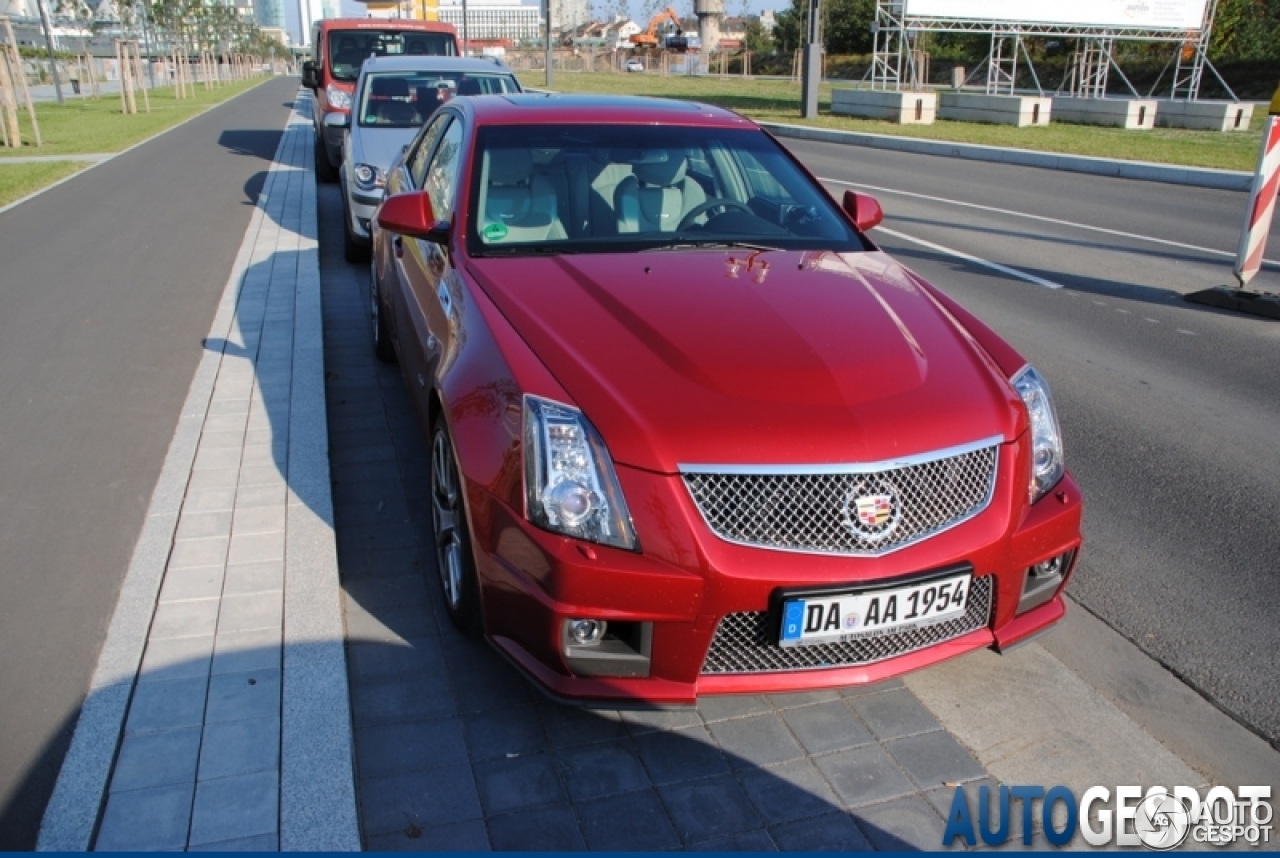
x: 410, y: 214
x: 337, y: 120
x: 310, y: 77
x: 865, y: 210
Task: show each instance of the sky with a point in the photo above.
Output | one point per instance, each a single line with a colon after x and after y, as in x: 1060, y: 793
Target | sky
x: 355, y: 9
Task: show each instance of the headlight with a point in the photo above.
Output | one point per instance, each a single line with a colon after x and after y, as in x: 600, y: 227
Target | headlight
x: 1046, y: 438
x: 369, y: 178
x: 570, y: 485
x: 339, y: 98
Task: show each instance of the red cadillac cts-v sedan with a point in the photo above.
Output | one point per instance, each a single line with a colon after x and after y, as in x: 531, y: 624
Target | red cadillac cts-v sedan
x: 691, y: 432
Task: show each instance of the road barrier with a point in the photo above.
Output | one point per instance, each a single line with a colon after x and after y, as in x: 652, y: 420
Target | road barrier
x: 1253, y: 237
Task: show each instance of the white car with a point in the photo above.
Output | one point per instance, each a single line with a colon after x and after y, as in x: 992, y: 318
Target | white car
x: 394, y: 96
x: 635, y: 66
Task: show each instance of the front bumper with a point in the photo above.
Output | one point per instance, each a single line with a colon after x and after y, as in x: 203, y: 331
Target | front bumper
x: 680, y: 591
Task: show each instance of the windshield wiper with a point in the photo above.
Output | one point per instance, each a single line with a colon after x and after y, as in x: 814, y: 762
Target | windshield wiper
x: 527, y: 250
x: 710, y: 244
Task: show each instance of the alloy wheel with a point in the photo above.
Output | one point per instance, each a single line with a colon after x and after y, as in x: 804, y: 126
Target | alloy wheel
x: 446, y: 512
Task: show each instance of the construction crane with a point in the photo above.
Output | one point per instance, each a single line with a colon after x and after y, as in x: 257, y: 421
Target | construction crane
x: 648, y: 40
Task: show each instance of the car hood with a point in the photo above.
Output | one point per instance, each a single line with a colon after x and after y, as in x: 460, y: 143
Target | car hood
x: 379, y: 147
x: 782, y: 357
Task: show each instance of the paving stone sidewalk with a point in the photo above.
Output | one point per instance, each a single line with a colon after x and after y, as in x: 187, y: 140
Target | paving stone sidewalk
x: 236, y: 733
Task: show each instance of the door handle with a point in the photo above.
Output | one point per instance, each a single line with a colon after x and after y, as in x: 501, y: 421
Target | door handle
x: 398, y: 244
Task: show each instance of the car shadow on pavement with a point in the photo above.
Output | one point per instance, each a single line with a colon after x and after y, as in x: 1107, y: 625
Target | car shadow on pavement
x: 253, y: 142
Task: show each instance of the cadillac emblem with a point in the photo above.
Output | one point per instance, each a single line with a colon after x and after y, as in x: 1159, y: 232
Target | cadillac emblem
x: 872, y: 510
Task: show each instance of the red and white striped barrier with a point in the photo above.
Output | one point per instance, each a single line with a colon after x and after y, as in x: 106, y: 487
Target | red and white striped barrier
x: 1262, y: 200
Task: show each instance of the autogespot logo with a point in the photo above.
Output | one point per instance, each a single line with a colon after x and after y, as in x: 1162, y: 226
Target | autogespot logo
x: 1159, y: 819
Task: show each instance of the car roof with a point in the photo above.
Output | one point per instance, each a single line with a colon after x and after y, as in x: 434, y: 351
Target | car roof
x: 542, y: 108
x: 421, y: 62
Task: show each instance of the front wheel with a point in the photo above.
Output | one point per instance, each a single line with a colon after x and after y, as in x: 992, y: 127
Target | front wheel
x: 457, y: 569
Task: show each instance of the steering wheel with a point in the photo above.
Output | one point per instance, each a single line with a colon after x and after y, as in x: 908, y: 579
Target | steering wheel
x: 713, y: 203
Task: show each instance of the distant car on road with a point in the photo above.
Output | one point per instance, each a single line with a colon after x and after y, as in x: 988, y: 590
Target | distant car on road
x: 635, y: 66
x: 691, y: 432
x: 393, y: 97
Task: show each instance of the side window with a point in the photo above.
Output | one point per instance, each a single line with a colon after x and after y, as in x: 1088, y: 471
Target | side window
x: 441, y: 182
x: 427, y: 142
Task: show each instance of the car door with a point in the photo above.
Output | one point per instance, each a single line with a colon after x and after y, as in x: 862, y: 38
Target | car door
x: 428, y: 296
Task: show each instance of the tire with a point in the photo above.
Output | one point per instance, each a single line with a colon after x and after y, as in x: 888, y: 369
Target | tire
x: 353, y: 250
x: 383, y: 348
x: 325, y: 172
x: 458, y: 580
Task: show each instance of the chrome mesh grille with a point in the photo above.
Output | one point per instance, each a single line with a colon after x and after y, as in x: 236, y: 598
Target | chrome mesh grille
x: 747, y: 642
x: 812, y: 512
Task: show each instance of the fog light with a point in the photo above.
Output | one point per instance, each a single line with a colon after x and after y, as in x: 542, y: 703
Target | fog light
x: 587, y: 631
x: 1049, y: 568
x: 1043, y: 580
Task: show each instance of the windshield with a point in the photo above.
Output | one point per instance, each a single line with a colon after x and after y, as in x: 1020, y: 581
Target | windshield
x: 625, y: 188
x: 348, y: 49
x: 404, y: 99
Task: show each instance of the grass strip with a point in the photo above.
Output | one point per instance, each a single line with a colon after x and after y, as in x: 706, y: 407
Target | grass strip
x: 94, y: 125
x: 779, y: 101
x: 18, y: 180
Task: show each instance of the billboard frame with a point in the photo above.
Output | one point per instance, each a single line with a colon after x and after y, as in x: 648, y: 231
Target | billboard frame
x: 896, y: 65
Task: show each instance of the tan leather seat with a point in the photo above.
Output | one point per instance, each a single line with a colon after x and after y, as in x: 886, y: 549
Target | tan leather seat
x: 658, y: 194
x: 519, y: 203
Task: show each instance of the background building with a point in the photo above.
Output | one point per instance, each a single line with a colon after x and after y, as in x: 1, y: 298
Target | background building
x: 494, y: 20
x: 269, y: 14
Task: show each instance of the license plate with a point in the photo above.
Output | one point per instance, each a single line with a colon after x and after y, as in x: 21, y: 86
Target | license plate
x: 841, y: 617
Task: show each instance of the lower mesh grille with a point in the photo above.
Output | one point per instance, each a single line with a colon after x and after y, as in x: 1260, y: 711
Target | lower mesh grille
x: 747, y: 642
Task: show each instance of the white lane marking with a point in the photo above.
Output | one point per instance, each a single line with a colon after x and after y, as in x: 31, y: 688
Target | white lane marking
x: 1151, y: 320
x: 977, y: 260
x: 1188, y: 333
x: 1068, y: 223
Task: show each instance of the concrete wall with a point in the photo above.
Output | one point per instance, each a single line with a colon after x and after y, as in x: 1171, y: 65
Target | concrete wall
x: 1205, y: 115
x: 906, y: 108
x: 1138, y: 114
x: 1019, y: 110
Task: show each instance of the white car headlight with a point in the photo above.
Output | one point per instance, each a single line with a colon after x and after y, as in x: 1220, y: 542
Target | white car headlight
x: 570, y: 484
x: 368, y: 177
x: 1046, y: 438
x: 339, y: 98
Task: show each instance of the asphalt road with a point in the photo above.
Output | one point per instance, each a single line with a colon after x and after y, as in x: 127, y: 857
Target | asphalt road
x: 1171, y: 411
x: 108, y: 285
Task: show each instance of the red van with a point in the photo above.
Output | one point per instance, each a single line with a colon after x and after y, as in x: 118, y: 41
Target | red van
x: 339, y: 46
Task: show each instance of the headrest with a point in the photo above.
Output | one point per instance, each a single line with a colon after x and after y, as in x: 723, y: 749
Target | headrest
x: 660, y: 167
x: 510, y: 166
x: 390, y: 87
x: 468, y: 86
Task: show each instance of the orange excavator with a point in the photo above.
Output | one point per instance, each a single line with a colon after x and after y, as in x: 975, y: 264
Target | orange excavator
x: 648, y: 40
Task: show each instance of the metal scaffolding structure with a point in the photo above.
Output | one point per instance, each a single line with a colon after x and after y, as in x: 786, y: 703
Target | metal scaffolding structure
x: 895, y: 65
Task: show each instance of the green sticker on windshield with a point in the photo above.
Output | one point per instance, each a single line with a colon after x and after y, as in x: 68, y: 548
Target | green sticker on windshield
x: 495, y: 232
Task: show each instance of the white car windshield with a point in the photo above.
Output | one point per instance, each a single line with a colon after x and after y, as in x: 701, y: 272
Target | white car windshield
x: 405, y: 99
